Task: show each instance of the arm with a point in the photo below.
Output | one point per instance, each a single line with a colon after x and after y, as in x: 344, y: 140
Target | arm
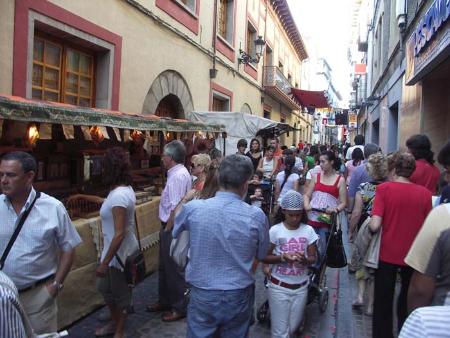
x: 89, y: 198
x: 260, y: 163
x: 296, y: 185
x: 119, y: 216
x: 356, y: 214
x: 342, y: 195
x: 277, y: 259
x: 312, y: 255
x: 421, y: 290
x: 375, y: 223
x: 277, y: 191
x: 308, y: 194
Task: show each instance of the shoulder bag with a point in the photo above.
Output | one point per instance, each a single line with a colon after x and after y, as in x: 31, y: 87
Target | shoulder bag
x: 134, y: 267
x: 17, y: 230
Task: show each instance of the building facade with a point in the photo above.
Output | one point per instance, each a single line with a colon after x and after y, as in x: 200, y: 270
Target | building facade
x: 406, y: 88
x: 163, y: 57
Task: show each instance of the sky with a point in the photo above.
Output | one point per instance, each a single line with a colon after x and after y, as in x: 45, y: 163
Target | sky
x: 325, y: 25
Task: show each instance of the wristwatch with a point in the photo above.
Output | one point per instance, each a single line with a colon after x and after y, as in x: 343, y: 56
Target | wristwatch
x: 59, y: 286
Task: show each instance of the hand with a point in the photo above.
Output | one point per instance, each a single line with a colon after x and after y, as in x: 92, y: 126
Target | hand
x: 307, y: 208
x: 101, y: 270
x: 52, y: 289
x: 332, y: 210
x: 350, y: 236
x: 266, y: 270
x: 290, y: 258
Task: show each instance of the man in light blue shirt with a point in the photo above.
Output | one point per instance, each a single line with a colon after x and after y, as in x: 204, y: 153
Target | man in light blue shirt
x: 226, y: 235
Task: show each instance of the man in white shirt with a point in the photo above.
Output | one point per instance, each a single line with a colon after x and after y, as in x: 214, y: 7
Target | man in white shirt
x: 359, y: 143
x: 42, y: 254
x: 171, y: 281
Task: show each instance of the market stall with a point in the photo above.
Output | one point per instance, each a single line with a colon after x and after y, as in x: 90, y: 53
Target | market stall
x: 68, y: 143
x: 240, y: 125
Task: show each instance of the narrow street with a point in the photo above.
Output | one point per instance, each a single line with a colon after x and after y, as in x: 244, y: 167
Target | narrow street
x: 339, y: 320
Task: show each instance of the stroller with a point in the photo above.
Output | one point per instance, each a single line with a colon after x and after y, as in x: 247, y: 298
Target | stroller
x: 268, y: 191
x: 317, y: 289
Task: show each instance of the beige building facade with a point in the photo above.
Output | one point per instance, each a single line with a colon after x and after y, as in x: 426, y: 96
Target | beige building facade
x: 164, y: 57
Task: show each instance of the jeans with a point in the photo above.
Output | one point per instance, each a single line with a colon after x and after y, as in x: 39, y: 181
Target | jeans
x: 216, y: 313
x: 323, y: 234
x: 286, y: 309
x: 385, y: 279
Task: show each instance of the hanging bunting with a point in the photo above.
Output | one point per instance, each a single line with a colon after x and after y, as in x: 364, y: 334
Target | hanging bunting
x: 104, y: 131
x: 86, y: 133
x: 68, y: 131
x: 126, y: 135
x: 45, y: 131
x: 117, y: 133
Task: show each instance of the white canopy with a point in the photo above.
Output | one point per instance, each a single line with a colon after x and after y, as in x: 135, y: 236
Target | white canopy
x: 240, y: 125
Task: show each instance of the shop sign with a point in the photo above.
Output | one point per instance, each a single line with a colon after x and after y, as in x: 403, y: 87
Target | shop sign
x: 352, y: 121
x: 428, y: 43
x: 429, y: 25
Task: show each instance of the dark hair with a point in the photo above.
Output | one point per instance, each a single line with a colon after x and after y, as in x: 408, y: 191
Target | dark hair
x: 288, y: 152
x: 255, y: 140
x: 322, y: 148
x: 202, y: 147
x: 357, y: 156
x: 116, y: 167
x: 271, y: 148
x: 234, y: 171
x: 313, y: 150
x: 259, y: 173
x: 26, y: 160
x: 331, y: 156
x: 242, y: 143
x: 420, y: 147
x: 404, y: 164
x: 283, y: 147
x: 444, y: 155
x: 370, y: 149
x: 359, y: 140
x: 289, y: 163
x: 215, y: 153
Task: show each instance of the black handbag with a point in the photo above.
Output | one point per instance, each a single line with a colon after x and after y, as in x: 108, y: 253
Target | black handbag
x: 134, y: 268
x: 336, y: 257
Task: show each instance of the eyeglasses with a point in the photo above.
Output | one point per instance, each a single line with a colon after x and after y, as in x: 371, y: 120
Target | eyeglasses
x: 193, y: 165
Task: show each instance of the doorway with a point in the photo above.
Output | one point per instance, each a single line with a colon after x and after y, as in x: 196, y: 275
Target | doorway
x: 170, y: 106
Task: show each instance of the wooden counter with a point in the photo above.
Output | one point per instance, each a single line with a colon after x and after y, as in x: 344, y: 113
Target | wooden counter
x: 80, y: 296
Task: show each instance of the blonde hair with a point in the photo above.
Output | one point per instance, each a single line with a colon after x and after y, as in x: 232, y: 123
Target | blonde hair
x: 203, y: 160
x: 377, y: 167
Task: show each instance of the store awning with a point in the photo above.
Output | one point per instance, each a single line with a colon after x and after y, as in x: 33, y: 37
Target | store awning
x: 20, y: 109
x: 309, y: 98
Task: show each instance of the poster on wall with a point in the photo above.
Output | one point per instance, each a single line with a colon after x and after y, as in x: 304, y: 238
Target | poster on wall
x: 352, y: 121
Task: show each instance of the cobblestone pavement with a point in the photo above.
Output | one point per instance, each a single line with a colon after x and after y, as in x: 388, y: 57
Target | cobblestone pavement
x: 339, y: 320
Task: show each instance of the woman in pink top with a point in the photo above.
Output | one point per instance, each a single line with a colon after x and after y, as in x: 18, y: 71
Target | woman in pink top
x: 350, y: 166
x: 426, y: 173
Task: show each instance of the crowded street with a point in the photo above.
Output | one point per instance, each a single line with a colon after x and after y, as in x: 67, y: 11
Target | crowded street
x: 225, y: 168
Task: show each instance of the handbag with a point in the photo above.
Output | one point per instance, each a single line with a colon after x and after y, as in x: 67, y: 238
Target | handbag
x: 179, y: 248
x: 336, y: 257
x: 134, y: 266
x: 17, y: 230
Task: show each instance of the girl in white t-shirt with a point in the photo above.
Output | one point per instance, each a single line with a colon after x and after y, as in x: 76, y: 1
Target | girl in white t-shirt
x: 292, y: 250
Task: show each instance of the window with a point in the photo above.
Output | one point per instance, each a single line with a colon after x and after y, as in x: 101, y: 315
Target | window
x: 251, y: 37
x: 280, y: 65
x: 225, y: 19
x: 189, y: 4
x: 269, y: 56
x: 290, y: 78
x: 267, y: 114
x: 220, y: 103
x: 62, y: 73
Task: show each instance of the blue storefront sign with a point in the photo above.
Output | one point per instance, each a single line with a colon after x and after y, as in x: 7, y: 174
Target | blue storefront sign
x: 430, y: 24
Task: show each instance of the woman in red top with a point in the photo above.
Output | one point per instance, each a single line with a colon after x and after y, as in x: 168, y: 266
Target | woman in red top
x: 426, y: 173
x: 327, y: 190
x: 399, y: 210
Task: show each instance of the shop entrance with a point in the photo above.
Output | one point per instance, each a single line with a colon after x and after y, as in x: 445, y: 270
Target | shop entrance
x: 170, y: 106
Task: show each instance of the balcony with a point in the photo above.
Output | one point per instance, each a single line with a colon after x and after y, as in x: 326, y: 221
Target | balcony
x: 277, y: 86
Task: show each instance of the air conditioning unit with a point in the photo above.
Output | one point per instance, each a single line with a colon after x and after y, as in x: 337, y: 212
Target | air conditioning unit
x: 363, y: 46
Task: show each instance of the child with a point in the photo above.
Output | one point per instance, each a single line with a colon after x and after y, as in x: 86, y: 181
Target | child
x: 257, y: 198
x: 292, y: 250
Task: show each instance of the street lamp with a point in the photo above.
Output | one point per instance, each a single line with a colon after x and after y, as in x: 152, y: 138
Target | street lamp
x: 246, y: 58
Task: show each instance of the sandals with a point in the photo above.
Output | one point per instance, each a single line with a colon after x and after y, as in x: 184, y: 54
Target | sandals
x: 106, y: 330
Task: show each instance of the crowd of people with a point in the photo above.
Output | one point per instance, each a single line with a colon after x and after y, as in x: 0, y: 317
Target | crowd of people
x: 264, y: 206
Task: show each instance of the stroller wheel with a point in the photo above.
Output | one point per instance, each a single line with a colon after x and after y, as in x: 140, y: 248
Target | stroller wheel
x: 323, y: 301
x: 263, y: 314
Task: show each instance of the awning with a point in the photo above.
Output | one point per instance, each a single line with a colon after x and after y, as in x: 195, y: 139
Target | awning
x: 20, y: 109
x: 309, y: 98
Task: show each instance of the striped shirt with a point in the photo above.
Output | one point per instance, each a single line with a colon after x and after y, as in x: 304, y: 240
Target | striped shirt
x: 48, y: 229
x: 427, y: 322
x: 13, y: 322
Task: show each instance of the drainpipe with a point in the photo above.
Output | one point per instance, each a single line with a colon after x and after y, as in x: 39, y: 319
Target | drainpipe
x: 213, y: 71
